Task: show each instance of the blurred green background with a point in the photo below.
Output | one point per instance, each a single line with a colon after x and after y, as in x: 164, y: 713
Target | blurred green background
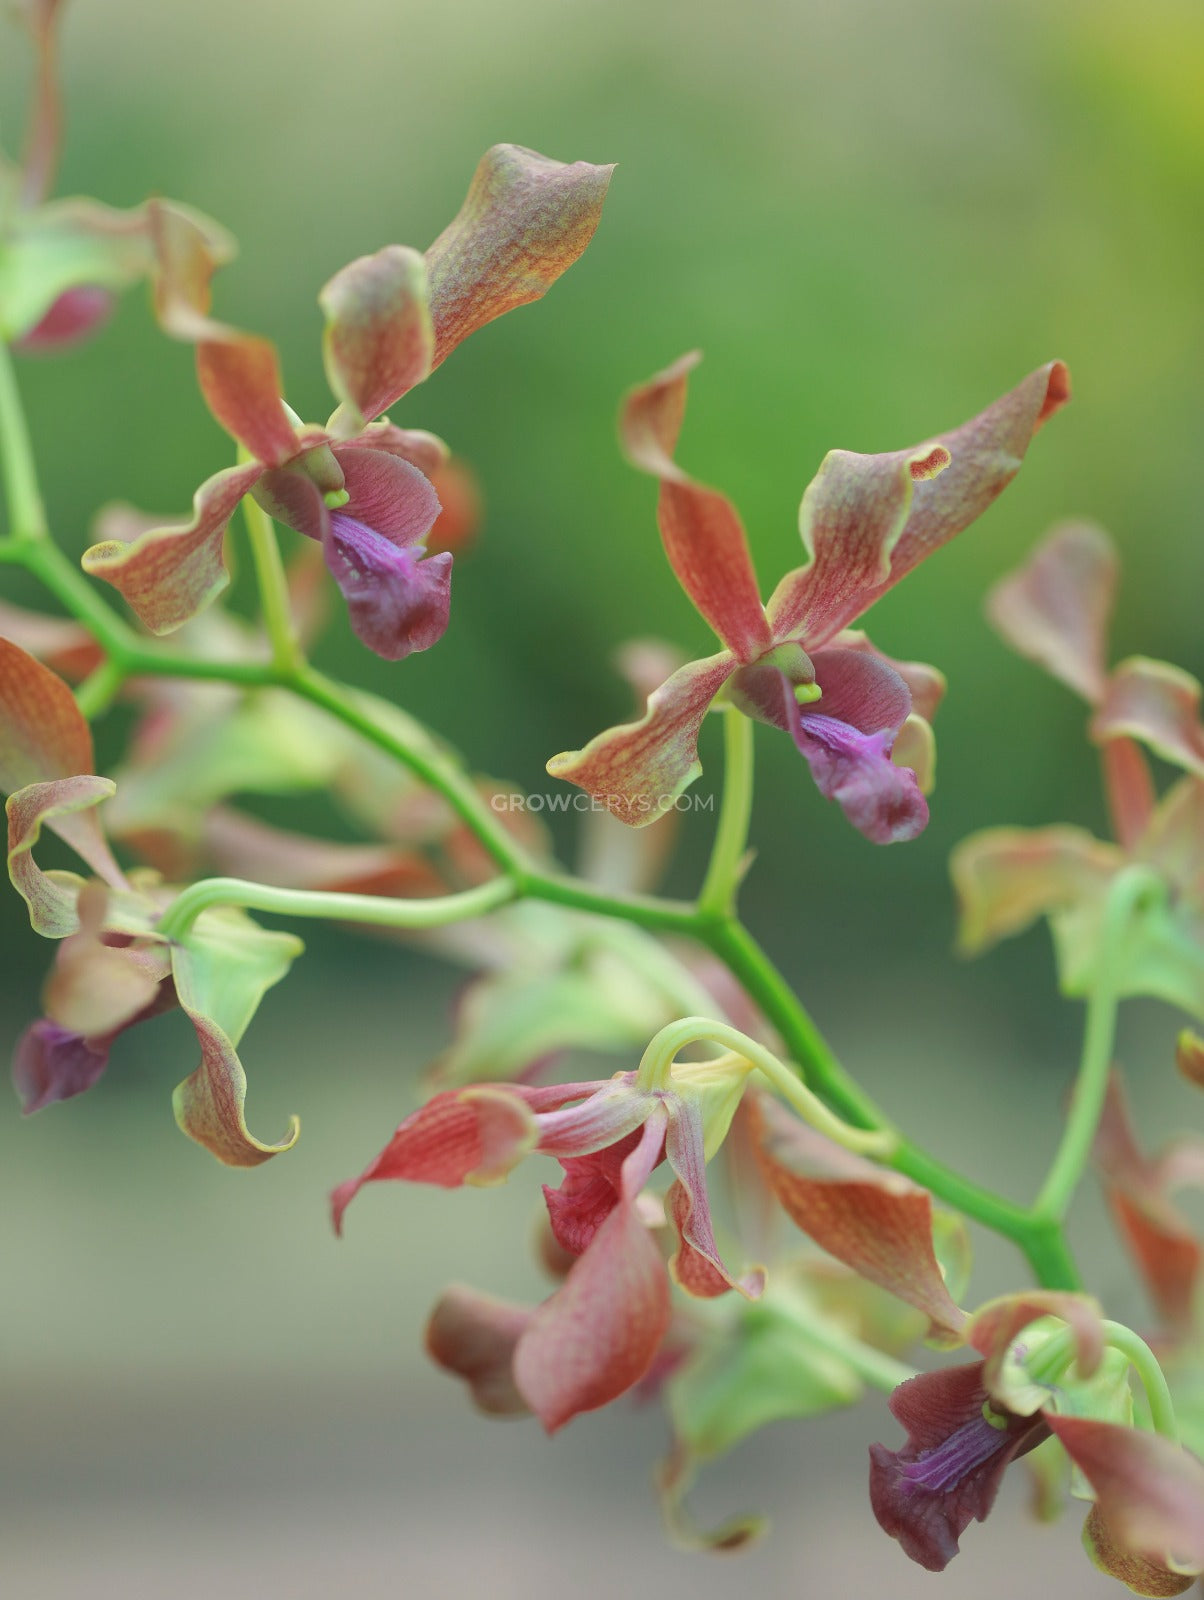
x: 873, y: 219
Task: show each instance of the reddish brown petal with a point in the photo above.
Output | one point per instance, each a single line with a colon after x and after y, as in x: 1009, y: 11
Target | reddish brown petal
x: 1158, y: 704
x: 1149, y: 1491
x: 703, y: 536
x: 1160, y: 1238
x: 44, y: 127
x: 95, y: 988
x: 995, y: 1325
x: 43, y: 734
x: 1129, y: 790
x: 463, y: 1136
x: 1055, y: 609
x: 638, y: 769
x: 1008, y: 877
x: 868, y: 520
x: 209, y: 1104
x: 473, y: 1336
x: 599, y: 1333
x: 169, y: 574
x: 379, y: 339
x: 525, y: 220
x: 423, y: 450
x: 877, y: 1222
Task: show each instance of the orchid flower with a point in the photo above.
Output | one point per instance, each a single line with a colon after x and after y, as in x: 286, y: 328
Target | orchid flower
x: 598, y: 1334
x: 1055, y: 610
x: 114, y: 968
x: 866, y: 521
x: 359, y: 486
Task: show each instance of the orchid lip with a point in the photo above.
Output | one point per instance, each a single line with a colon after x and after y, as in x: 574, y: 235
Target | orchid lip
x: 948, y: 1463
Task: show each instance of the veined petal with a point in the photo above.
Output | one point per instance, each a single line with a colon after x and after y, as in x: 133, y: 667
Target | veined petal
x: 702, y: 533
x: 926, y: 684
x: 599, y: 1333
x: 209, y: 1105
x: 473, y: 1136
x: 868, y: 520
x: 948, y: 1473
x: 1008, y: 877
x: 1149, y: 1491
x: 398, y: 599
x: 875, y: 1221
x: 1055, y: 609
x: 97, y: 988
x: 638, y: 769
x: 168, y: 575
x: 392, y: 495
x: 592, y: 1187
x: 1160, y: 1238
x: 62, y: 804
x: 473, y: 1336
x: 423, y: 450
x: 1158, y: 704
x: 697, y: 1266
x: 379, y: 340
x: 525, y: 220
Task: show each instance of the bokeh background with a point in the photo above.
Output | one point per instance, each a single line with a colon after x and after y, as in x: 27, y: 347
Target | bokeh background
x: 874, y: 219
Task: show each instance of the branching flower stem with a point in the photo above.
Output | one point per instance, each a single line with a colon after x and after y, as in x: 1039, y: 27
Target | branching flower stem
x: 711, y: 921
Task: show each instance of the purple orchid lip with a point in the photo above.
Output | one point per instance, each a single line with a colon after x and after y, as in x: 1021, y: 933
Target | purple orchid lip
x: 398, y: 599
x: 947, y: 1464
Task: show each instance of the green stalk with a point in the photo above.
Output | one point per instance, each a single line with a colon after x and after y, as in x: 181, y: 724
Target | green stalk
x: 718, y: 893
x: 26, y: 512
x: 376, y: 910
x: 1153, y: 1379
x: 1091, y: 1084
x: 273, y: 584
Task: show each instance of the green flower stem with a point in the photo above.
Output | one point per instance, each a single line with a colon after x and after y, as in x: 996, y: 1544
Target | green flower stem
x: 1091, y: 1085
x: 1153, y: 1379
x: 872, y: 1366
x: 656, y: 1068
x: 375, y: 910
x: 97, y: 692
x: 273, y: 584
x: 718, y: 894
x: 26, y: 512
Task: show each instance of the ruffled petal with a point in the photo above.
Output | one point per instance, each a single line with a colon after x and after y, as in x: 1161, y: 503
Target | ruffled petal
x: 167, y: 575
x: 927, y: 684
x: 591, y: 1188
x: 379, y: 340
x: 638, y: 769
x: 875, y: 1221
x: 64, y: 805
x: 599, y: 1333
x: 388, y: 493
x: 1158, y: 704
x: 868, y: 520
x: 702, y: 533
x: 1056, y: 608
x: 473, y: 1336
x: 1149, y: 1491
x: 525, y: 220
x: 209, y: 1105
x: 398, y: 599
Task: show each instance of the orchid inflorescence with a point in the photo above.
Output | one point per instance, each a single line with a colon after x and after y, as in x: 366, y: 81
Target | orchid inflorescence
x: 850, y: 1245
